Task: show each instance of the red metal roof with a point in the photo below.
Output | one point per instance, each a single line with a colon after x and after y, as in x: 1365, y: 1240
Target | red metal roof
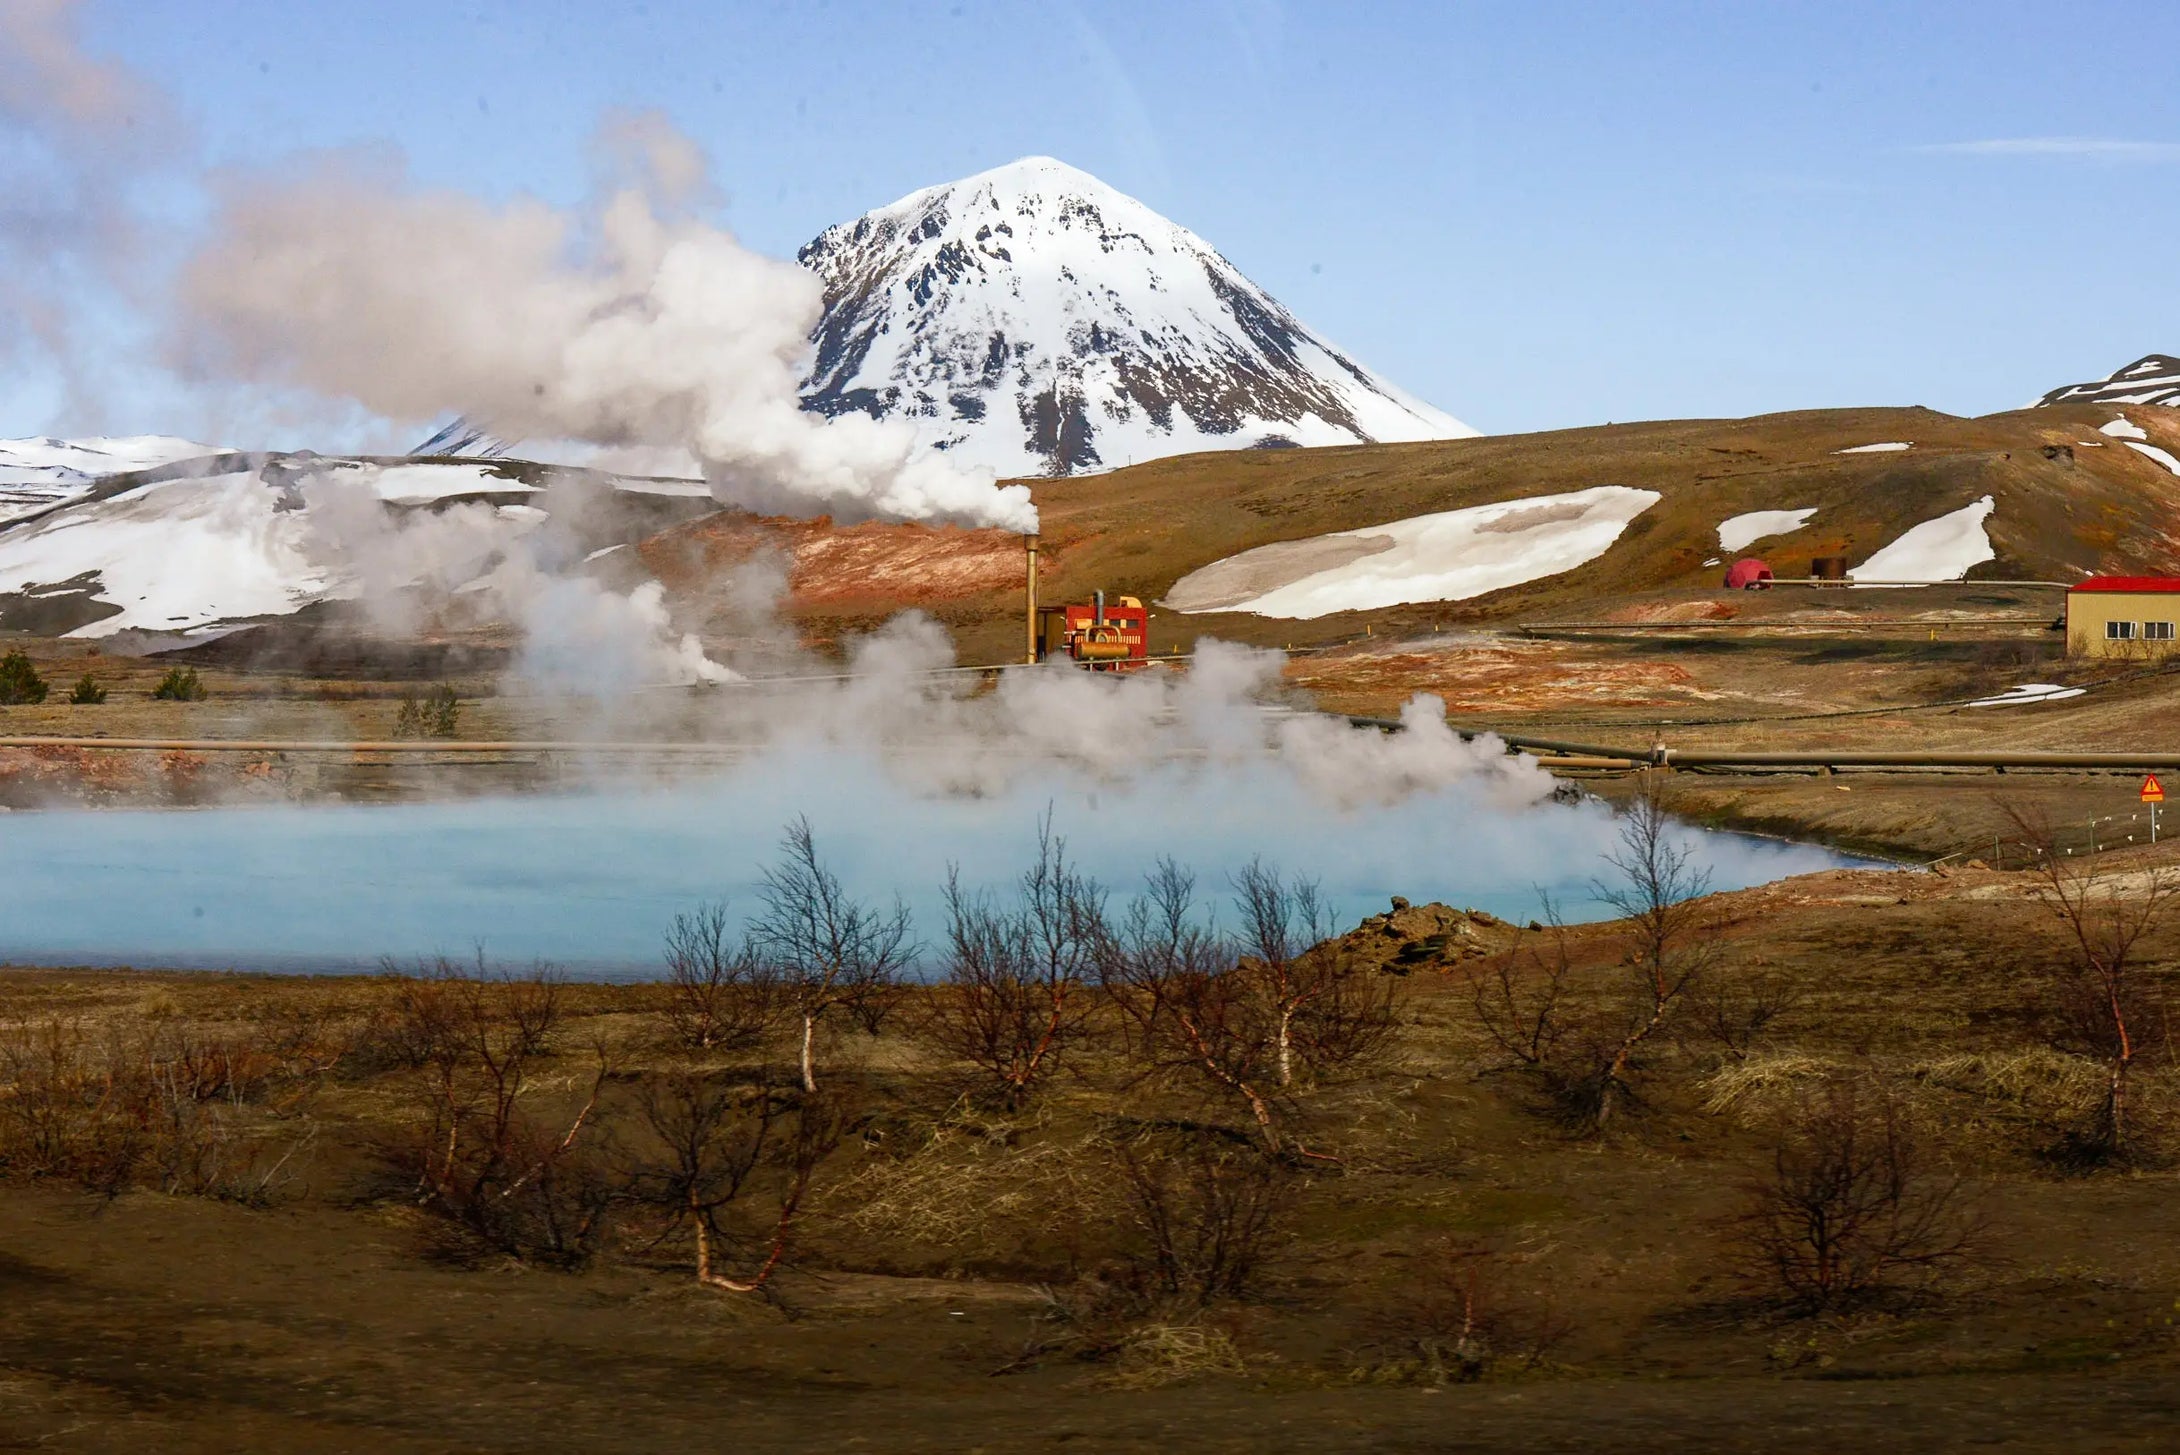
x: 2127, y: 583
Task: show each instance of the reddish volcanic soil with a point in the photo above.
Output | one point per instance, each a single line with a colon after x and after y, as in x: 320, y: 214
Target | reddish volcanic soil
x: 867, y: 567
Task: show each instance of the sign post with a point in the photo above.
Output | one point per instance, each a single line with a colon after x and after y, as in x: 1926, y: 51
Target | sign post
x: 2153, y: 793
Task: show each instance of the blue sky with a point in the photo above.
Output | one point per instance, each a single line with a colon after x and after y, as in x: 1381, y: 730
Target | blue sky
x: 1533, y: 215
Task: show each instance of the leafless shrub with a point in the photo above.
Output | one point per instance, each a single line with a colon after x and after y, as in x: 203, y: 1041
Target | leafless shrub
x: 500, y: 1174
x: 1584, y: 1055
x: 167, y: 1106
x: 70, y: 1107
x: 1851, y: 1207
x: 1521, y: 1001
x: 2103, y: 1001
x: 436, y: 1008
x: 1014, y: 990
x: 729, y: 1163
x: 1248, y: 1016
x: 720, y: 993
x: 1464, y: 1310
x: 1734, y: 1013
x: 828, y: 950
x: 1327, y: 1012
x: 1203, y: 1213
x: 1657, y: 891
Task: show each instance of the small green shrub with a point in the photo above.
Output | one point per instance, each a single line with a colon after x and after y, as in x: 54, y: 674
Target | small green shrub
x: 180, y: 684
x: 434, y: 715
x: 88, y: 693
x: 20, y: 683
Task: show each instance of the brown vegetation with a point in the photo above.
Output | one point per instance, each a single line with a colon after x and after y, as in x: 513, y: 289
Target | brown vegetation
x: 1247, y: 1157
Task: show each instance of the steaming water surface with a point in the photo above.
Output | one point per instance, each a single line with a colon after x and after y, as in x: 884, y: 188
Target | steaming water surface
x: 590, y: 880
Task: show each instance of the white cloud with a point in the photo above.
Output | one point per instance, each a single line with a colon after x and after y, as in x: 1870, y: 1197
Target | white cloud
x: 2092, y: 148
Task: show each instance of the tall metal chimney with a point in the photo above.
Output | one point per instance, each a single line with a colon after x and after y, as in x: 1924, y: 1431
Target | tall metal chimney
x: 1030, y: 599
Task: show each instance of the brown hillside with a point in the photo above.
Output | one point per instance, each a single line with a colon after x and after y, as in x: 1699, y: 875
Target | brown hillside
x: 2069, y: 500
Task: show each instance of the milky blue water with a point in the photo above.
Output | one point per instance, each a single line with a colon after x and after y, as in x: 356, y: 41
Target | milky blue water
x: 590, y: 880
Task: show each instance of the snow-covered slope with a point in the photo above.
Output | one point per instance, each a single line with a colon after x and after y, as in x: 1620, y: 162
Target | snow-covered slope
x: 36, y: 473
x: 1739, y: 532
x: 2151, y: 379
x: 1034, y: 320
x: 1451, y: 555
x: 249, y: 536
x: 1937, y: 550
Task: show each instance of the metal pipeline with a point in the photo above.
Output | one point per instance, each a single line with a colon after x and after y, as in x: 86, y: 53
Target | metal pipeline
x: 1665, y: 757
x: 403, y: 745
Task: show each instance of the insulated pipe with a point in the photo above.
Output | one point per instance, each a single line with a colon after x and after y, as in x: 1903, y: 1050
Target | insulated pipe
x: 1699, y: 758
x: 403, y: 745
x: 1663, y: 756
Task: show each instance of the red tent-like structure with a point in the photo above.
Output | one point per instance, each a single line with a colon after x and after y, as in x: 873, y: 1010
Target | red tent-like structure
x: 1748, y: 575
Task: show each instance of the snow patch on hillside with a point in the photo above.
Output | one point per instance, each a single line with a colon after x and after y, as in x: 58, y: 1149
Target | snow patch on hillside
x: 414, y: 483
x: 2125, y: 429
x: 1451, y: 555
x: 1738, y: 531
x: 1937, y: 550
x: 1885, y: 447
x: 2028, y: 692
x: 2163, y: 457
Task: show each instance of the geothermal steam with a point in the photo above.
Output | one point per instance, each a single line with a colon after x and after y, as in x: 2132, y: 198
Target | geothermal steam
x: 627, y: 323
x: 471, y: 563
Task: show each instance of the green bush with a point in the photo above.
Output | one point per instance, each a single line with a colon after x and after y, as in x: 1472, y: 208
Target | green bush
x: 88, y: 693
x: 434, y: 715
x: 180, y: 685
x: 19, y: 681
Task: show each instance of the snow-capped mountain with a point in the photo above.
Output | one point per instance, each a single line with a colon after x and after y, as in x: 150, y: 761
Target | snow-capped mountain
x: 1036, y: 321
x: 2151, y: 379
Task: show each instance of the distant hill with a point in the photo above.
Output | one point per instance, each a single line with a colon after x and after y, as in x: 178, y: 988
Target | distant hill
x: 2151, y: 379
x: 1262, y: 545
x: 2065, y: 499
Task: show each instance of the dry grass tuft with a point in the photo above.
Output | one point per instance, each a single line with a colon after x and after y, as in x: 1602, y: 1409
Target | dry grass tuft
x: 2031, y: 1079
x: 967, y: 1179
x: 1155, y: 1355
x: 1764, y: 1085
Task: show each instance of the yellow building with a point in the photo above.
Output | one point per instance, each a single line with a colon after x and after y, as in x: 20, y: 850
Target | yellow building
x: 2122, y: 616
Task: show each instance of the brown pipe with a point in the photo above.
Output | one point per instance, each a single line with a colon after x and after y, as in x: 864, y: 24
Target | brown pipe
x: 1030, y: 597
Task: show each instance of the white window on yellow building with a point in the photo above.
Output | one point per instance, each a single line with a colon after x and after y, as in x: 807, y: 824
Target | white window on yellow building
x: 2157, y: 631
x: 2119, y: 631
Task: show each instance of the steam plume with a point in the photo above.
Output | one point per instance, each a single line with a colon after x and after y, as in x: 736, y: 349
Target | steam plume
x: 626, y: 323
x: 76, y: 131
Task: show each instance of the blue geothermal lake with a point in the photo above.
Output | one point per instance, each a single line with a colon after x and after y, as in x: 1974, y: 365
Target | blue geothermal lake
x: 590, y: 880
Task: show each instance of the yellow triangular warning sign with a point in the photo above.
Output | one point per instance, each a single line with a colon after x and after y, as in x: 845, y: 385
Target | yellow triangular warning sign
x: 2152, y: 790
